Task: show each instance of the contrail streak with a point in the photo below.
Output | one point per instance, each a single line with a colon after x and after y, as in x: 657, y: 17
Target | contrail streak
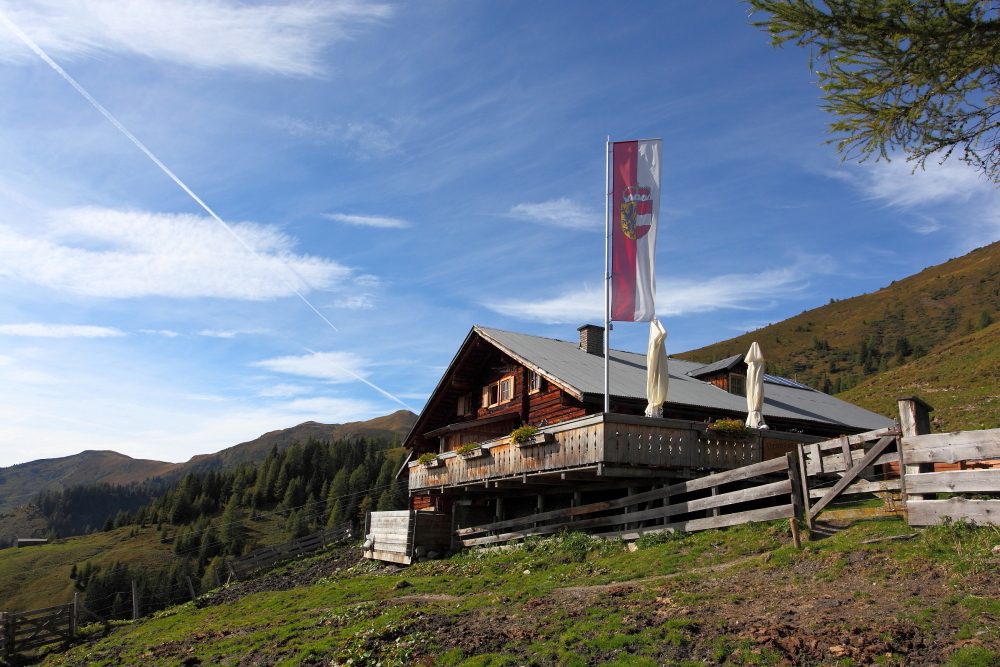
x: 30, y: 43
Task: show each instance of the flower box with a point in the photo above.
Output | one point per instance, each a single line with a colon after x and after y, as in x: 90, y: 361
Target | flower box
x: 535, y: 440
x: 474, y: 453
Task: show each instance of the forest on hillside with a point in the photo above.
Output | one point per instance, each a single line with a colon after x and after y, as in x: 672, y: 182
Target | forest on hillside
x: 206, y: 516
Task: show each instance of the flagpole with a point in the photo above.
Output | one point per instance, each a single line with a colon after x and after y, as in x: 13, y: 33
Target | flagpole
x: 607, y: 272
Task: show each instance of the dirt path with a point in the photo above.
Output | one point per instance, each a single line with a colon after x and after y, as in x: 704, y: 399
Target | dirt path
x: 582, y: 591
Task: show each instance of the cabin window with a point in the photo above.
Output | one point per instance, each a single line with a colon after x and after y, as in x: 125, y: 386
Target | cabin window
x: 737, y: 384
x: 464, y: 405
x: 534, y: 382
x: 498, y: 392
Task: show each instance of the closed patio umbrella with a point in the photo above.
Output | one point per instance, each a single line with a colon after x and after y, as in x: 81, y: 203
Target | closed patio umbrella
x: 755, y: 386
x: 657, y: 377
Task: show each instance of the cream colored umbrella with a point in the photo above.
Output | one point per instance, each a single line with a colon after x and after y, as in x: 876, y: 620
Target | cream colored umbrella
x: 755, y: 386
x: 657, y: 377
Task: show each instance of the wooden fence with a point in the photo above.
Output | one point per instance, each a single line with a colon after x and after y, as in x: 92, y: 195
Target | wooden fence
x: 921, y: 485
x: 27, y: 630
x: 757, y: 492
x: 801, y: 485
x: 267, y: 556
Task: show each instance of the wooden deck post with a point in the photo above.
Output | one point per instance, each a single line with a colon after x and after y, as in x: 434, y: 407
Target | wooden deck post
x: 914, y: 419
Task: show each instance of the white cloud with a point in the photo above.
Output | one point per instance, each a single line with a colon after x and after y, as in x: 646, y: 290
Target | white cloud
x: 127, y: 254
x: 287, y: 38
x: 42, y: 330
x: 380, y: 221
x: 558, y: 213
x: 898, y: 184
x: 942, y: 197
x: 575, y: 305
x: 212, y: 333
x: 283, y: 391
x: 166, y: 333
x: 364, y: 139
x: 356, y: 302
x: 328, y: 366
x: 675, y: 296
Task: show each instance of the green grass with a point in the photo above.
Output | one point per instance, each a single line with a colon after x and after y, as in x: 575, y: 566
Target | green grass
x: 526, y: 605
x: 47, y: 567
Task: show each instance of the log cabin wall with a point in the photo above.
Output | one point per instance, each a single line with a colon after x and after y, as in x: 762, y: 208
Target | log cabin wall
x: 551, y: 405
x: 500, y: 367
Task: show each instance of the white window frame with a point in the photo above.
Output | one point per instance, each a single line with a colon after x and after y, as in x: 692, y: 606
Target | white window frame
x: 534, y: 382
x: 493, y: 393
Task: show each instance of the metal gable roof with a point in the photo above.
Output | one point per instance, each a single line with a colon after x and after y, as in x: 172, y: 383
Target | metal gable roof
x: 720, y: 365
x: 566, y: 364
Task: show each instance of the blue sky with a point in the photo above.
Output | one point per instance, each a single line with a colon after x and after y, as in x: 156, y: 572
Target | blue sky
x: 411, y: 169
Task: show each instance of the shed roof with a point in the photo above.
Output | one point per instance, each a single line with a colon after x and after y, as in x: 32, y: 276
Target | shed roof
x: 582, y: 374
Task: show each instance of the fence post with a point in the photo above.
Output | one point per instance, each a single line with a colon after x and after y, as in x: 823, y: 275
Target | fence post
x: 914, y: 419
x: 794, y: 477
x: 135, y: 601
x: 804, y: 484
x: 10, y: 626
x: 73, y: 617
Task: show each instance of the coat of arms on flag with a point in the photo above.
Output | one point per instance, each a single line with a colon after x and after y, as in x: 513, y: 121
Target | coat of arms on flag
x: 636, y: 212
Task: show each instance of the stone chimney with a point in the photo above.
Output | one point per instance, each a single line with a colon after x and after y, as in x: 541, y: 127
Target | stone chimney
x: 592, y: 339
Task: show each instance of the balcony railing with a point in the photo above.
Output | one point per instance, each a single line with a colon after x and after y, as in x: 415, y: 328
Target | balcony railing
x: 607, y: 444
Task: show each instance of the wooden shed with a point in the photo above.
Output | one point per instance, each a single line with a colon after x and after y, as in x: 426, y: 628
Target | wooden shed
x: 31, y: 541
x: 405, y: 535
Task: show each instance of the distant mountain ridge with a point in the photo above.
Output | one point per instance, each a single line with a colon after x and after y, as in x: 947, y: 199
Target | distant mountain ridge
x: 19, y: 483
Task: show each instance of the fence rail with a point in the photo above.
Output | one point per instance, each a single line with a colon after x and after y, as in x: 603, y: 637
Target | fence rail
x: 970, y: 449
x: 267, y: 556
x: 773, y: 484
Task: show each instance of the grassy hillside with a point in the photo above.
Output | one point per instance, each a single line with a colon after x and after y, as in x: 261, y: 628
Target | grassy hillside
x: 960, y: 379
x: 24, y: 521
x: 838, y: 345
x: 738, y: 597
x: 19, y: 483
x: 35, y: 577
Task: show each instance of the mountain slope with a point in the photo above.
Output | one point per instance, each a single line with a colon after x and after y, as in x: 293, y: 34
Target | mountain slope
x: 960, y: 379
x: 395, y: 425
x: 839, y: 345
x: 19, y: 483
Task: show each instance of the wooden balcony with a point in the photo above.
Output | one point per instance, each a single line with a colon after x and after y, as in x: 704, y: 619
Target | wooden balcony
x: 604, y: 446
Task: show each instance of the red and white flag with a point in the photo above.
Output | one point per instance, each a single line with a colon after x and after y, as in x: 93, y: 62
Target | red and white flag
x: 635, y: 208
